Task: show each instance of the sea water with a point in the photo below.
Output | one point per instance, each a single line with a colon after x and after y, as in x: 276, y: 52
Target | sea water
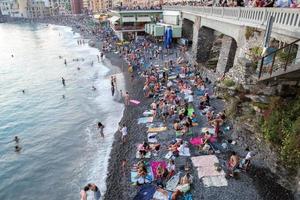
x: 61, y: 147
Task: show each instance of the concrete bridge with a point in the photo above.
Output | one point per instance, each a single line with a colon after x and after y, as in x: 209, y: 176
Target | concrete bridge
x: 200, y: 24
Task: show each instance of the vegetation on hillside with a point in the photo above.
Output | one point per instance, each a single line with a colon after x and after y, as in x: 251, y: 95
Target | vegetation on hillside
x: 282, y: 128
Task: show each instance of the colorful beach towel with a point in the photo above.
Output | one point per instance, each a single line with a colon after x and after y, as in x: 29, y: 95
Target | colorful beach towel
x: 154, y: 166
x: 190, y: 111
x: 148, y: 113
x: 144, y: 120
x: 136, y: 102
x: 157, y: 129
x: 196, y: 141
x: 134, y: 176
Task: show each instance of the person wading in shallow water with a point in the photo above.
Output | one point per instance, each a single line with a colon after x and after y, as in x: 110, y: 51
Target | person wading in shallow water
x: 83, y: 194
x: 95, y: 189
x: 63, y: 81
x: 101, y: 127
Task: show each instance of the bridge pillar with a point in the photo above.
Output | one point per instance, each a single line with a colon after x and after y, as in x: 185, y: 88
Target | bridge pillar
x: 196, y: 28
x: 227, y: 54
x: 204, y: 44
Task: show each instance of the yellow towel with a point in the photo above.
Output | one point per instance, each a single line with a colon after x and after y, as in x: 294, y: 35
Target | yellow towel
x: 157, y: 129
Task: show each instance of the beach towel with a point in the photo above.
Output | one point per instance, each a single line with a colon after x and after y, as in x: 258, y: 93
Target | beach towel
x: 207, y: 160
x: 190, y: 111
x: 205, y: 166
x: 157, y: 129
x: 154, y: 166
x: 210, y: 130
x: 196, y: 141
x: 173, y: 182
x: 136, y: 102
x: 144, y: 120
x: 152, y: 138
x: 185, y: 151
x: 146, y: 192
x: 187, y: 196
x: 148, y: 113
x: 134, y: 176
x: 215, y: 181
x: 138, y: 155
x: 172, y: 77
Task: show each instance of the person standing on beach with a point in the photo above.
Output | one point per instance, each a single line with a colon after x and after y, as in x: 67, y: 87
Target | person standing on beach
x: 95, y: 189
x: 124, y: 132
x: 112, y: 90
x: 63, y: 81
x: 115, y: 81
x: 65, y: 61
x: 101, y: 127
x: 127, y: 99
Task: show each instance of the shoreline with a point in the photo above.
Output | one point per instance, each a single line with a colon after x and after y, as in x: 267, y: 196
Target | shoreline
x: 117, y: 186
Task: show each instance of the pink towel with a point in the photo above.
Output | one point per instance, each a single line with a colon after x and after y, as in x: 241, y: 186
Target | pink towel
x: 196, y: 141
x: 154, y: 166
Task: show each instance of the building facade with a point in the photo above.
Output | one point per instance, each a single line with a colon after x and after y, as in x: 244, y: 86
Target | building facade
x: 38, y: 9
x: 76, y: 6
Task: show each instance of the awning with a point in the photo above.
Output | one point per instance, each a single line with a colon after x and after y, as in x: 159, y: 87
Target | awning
x: 114, y: 19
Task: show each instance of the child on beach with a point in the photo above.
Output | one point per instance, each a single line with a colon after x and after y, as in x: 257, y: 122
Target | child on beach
x: 124, y: 133
x: 126, y: 99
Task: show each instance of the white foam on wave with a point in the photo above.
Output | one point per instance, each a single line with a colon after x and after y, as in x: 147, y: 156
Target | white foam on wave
x: 111, y: 111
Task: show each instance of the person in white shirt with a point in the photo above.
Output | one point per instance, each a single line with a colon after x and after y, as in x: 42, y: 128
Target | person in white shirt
x: 124, y: 133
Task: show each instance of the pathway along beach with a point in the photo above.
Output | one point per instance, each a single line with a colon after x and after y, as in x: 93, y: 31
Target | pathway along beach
x: 256, y: 184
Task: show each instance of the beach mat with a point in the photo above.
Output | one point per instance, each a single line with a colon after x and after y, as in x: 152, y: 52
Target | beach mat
x: 136, y: 102
x: 155, y: 164
x: 206, y: 160
x: 157, y: 129
x: 144, y: 120
x: 215, y: 181
x: 146, y: 192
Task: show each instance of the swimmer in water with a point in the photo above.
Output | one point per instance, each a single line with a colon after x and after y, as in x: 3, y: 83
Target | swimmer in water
x: 78, y: 68
x: 17, y: 149
x: 65, y: 61
x: 12, y: 55
x: 63, y: 96
x: 93, y: 88
x: 23, y: 91
x: 16, y: 139
x: 63, y: 81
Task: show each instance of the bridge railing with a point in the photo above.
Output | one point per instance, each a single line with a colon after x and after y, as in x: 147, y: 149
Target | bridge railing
x: 279, y: 60
x: 283, y: 17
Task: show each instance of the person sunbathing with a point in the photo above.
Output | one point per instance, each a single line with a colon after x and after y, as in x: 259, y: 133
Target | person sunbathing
x: 176, y: 125
x: 233, y: 163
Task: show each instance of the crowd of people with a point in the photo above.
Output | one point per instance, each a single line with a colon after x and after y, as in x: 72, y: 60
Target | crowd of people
x: 180, y: 98
x: 241, y: 3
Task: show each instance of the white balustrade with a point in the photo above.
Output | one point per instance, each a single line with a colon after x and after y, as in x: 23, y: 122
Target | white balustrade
x: 287, y: 19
